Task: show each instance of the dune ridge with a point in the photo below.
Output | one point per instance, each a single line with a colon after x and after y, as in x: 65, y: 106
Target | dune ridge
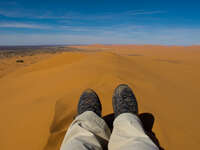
x: 38, y: 101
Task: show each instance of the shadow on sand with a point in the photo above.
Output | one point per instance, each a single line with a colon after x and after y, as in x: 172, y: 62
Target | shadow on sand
x: 62, y: 119
x: 147, y: 120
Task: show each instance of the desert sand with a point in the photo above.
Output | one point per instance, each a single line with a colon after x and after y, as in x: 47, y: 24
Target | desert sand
x: 39, y: 100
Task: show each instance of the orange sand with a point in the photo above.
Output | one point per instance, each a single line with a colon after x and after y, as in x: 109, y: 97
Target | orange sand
x: 38, y: 101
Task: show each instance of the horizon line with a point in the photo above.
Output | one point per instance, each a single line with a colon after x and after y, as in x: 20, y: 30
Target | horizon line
x: 52, y: 45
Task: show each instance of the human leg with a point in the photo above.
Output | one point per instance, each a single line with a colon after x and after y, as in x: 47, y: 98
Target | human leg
x: 128, y: 132
x: 88, y: 131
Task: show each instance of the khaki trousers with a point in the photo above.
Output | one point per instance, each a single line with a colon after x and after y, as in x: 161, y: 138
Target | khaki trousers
x: 90, y: 132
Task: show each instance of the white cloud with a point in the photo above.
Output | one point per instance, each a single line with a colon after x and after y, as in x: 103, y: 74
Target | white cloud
x: 31, y: 14
x: 22, y: 25
x: 142, y: 12
x: 163, y: 36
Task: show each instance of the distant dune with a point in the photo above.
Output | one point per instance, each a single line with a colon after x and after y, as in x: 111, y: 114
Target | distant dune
x: 38, y: 100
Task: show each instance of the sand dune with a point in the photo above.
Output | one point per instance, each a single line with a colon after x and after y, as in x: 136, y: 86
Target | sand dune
x: 38, y: 101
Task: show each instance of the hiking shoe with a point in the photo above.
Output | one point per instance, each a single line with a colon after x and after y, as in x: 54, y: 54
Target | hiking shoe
x: 89, y: 101
x: 124, y: 100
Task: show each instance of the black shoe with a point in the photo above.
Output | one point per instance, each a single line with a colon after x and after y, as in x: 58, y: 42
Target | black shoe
x: 89, y: 101
x: 124, y: 100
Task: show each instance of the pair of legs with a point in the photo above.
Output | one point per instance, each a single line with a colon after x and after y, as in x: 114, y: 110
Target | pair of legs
x: 90, y: 132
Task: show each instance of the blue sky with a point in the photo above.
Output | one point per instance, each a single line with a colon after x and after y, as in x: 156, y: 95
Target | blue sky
x: 34, y: 22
